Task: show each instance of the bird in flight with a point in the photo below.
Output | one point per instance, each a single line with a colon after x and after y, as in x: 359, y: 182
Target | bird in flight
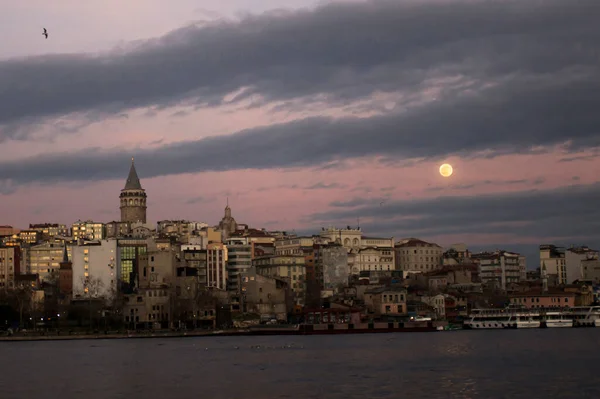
x: 45, y: 33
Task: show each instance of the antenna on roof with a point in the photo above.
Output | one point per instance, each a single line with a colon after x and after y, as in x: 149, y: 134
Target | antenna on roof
x: 358, y: 222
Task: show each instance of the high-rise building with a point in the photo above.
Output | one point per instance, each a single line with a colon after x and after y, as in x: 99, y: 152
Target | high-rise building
x: 95, y: 268
x: 88, y: 230
x: 239, y: 260
x: 133, y: 198
x: 501, y: 268
x: 216, y: 266
x: 9, y: 266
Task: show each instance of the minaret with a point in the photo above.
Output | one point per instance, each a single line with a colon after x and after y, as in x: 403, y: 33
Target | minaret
x: 227, y: 210
x: 544, y: 278
x: 133, y: 198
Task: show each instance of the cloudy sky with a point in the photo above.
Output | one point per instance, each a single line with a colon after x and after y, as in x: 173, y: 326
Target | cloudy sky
x: 307, y: 114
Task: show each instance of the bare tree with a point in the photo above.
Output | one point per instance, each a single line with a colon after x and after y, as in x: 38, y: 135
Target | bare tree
x: 115, y: 302
x: 20, y: 298
x: 92, y: 289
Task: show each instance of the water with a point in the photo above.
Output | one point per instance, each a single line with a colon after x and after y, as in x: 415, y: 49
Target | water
x: 557, y: 363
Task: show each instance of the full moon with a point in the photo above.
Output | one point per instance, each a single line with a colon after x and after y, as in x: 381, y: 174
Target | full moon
x: 446, y: 170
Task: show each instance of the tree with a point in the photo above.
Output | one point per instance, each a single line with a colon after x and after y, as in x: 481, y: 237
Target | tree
x: 92, y: 289
x: 18, y: 300
x: 23, y: 298
x: 115, y: 302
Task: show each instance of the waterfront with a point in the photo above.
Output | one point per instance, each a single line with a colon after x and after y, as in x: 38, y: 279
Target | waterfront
x: 476, y: 364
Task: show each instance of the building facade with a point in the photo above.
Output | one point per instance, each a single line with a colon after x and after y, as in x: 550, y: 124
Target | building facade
x: 44, y: 259
x: 575, y: 260
x: 96, y: 269
x: 289, y: 267
x: 501, y: 268
x: 414, y: 255
x: 553, y: 258
x: 88, y: 230
x: 239, y: 260
x: 9, y: 266
x: 216, y: 266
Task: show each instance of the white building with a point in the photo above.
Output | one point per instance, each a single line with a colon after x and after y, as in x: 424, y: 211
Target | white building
x: 574, y: 257
x: 216, y: 266
x: 88, y: 230
x: 501, y: 267
x: 239, y: 260
x: 553, y: 258
x: 414, y: 255
x: 349, y: 238
x: 364, y: 253
x: 96, y: 268
x: 374, y: 259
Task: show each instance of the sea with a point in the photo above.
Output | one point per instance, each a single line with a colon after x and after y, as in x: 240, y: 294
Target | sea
x: 536, y: 363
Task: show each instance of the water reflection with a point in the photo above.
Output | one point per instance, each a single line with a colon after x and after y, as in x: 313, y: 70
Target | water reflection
x: 476, y: 364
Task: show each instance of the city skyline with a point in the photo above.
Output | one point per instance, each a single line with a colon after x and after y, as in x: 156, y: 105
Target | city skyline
x: 330, y: 127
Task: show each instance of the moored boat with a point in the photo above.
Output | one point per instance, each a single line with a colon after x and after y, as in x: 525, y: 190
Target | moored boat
x: 557, y: 319
x: 487, y: 319
x: 524, y: 319
x: 585, y: 316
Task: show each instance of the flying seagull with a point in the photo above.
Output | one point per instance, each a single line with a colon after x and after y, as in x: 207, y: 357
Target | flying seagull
x: 45, y: 33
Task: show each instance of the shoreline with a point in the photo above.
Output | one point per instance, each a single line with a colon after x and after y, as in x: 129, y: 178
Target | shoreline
x: 73, y: 337
x: 239, y: 332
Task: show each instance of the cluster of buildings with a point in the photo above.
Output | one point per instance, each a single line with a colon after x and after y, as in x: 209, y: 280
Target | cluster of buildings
x: 185, y: 273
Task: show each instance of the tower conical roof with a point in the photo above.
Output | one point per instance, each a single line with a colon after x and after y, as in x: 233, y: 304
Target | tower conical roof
x: 133, y: 181
x: 65, y: 255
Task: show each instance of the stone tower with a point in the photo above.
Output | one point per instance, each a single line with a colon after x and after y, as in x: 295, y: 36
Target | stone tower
x: 133, y: 199
x: 228, y: 224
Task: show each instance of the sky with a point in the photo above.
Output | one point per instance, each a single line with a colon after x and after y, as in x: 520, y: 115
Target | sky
x: 308, y: 114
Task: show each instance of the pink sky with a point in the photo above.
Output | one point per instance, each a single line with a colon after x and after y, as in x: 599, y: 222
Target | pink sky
x: 263, y: 197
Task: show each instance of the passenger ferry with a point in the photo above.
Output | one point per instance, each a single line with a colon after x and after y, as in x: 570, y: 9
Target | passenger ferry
x: 524, y: 319
x: 487, y: 318
x: 585, y: 316
x: 554, y: 319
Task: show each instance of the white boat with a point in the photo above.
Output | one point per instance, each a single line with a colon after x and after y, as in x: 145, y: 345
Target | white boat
x: 487, y: 318
x: 585, y: 316
x: 557, y: 319
x: 524, y: 319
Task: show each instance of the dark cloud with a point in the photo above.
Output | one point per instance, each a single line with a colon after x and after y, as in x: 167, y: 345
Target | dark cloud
x: 342, y: 51
x: 487, y: 183
x: 587, y: 157
x: 565, y: 214
x: 518, y: 116
x: 528, y: 98
x: 324, y: 186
